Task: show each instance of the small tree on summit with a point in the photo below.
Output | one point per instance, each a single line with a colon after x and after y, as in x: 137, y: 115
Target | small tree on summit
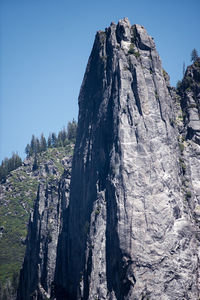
x: 194, y: 55
x: 62, y: 137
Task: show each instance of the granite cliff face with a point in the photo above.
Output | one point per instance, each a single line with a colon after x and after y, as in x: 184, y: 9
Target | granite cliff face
x: 37, y: 275
x: 131, y: 228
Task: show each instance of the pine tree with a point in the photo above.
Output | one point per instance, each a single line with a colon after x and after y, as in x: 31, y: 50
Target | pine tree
x: 59, y: 140
x: 9, y: 165
x: 37, y: 146
x: 43, y: 143
x: 15, y: 161
x: 49, y: 141
x: 53, y: 140
x: 71, y: 131
x: 62, y: 136
x: 28, y: 150
x: 2, y: 173
x: 194, y: 55
x: 33, y: 145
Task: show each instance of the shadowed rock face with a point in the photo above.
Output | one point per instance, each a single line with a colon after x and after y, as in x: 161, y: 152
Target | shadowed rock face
x: 37, y: 275
x: 130, y: 233
x: 130, y: 230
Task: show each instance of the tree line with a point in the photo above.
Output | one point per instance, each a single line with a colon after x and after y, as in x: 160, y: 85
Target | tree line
x: 8, y: 165
x: 65, y: 137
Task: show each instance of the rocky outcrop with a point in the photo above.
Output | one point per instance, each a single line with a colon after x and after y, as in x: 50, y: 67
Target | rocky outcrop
x: 130, y: 231
x: 131, y: 228
x: 37, y: 274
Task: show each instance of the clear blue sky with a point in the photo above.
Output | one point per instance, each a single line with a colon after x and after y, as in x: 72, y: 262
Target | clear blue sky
x: 45, y: 45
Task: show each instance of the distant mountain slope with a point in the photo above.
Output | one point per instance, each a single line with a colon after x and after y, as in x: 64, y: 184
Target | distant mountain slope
x: 17, y: 196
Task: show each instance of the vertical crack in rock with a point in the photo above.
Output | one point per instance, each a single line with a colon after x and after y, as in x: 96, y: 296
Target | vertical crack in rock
x: 135, y: 92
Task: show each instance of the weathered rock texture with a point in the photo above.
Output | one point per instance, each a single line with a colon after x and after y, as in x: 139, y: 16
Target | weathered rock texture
x: 37, y: 275
x: 130, y: 230
x: 130, y: 233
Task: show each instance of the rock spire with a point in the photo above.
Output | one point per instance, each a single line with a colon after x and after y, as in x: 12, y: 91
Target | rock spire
x: 130, y: 230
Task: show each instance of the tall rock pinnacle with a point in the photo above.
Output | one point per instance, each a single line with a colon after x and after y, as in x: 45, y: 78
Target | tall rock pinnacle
x: 131, y: 229
x: 129, y: 233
